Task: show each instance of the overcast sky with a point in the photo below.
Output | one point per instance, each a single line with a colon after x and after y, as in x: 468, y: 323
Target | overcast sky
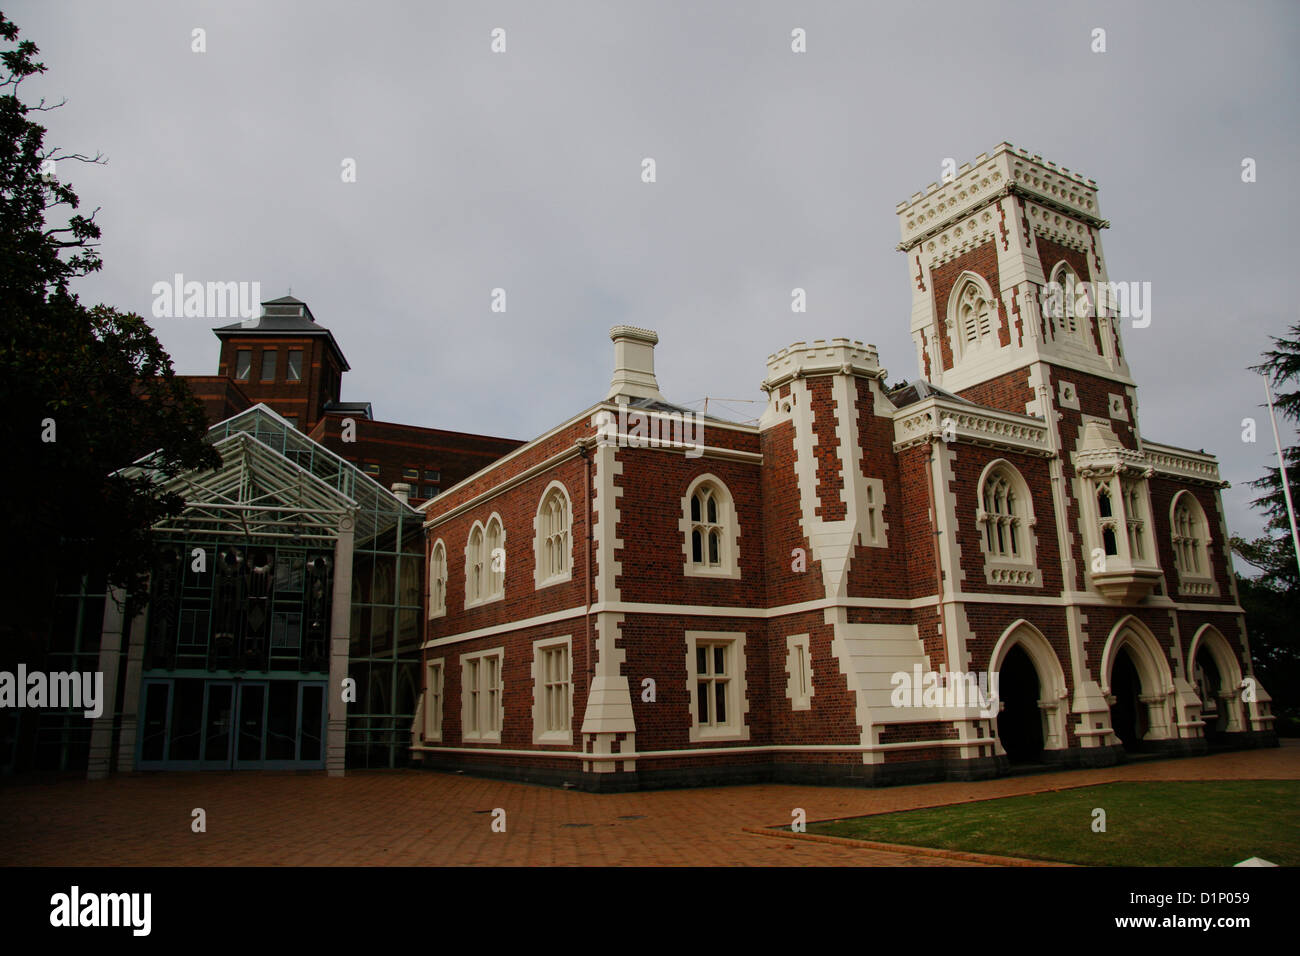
x: 522, y: 170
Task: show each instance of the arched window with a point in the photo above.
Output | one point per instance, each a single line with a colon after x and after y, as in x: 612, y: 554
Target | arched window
x: 1001, y: 517
x: 1190, y: 534
x: 706, y: 529
x: 1134, y: 513
x: 1005, y: 518
x: 1107, y: 513
x: 973, y: 315
x: 553, y: 544
x: 438, y: 579
x: 710, y: 529
x: 496, y: 558
x: 475, y: 584
x: 1069, y: 304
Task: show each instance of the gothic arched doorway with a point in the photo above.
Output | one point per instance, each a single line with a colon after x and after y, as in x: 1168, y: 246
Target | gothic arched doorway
x: 1128, y: 718
x: 1020, y: 724
x: 1208, y: 684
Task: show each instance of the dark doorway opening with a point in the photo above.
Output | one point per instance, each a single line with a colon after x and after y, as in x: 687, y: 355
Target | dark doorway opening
x: 1208, y: 684
x: 1128, y: 714
x: 1020, y: 724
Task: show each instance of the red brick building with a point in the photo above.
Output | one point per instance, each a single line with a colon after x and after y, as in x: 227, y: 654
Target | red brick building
x: 288, y: 362
x: 990, y: 565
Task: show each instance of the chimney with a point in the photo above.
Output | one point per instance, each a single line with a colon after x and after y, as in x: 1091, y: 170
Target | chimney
x: 634, y: 364
x: 403, y: 492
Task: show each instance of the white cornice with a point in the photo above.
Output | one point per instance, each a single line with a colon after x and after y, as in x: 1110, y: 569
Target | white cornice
x: 925, y: 420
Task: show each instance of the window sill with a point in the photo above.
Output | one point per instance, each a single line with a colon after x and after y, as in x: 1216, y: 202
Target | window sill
x: 552, y: 581
x: 718, y: 734
x: 695, y: 571
x: 484, y: 739
x: 555, y: 738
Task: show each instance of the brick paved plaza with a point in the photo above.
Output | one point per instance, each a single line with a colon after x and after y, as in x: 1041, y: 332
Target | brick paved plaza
x: 413, y: 817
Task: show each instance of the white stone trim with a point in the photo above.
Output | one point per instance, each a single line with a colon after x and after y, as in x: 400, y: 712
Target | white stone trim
x: 728, y: 519
x: 736, y: 727
x: 1181, y: 463
x: 540, y: 734
x: 539, y: 545
x: 798, y: 664
x: 1115, y: 407
x: 973, y: 424
x: 1069, y: 599
x: 482, y: 736
x: 1067, y: 394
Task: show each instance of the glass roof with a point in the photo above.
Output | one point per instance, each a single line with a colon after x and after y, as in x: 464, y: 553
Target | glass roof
x: 274, y: 476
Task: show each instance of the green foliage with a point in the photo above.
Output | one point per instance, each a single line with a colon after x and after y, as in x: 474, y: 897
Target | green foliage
x: 98, y: 375
x: 1272, y: 599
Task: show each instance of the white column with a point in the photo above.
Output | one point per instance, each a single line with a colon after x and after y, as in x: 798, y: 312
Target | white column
x: 110, y: 646
x: 131, y: 692
x: 340, y: 637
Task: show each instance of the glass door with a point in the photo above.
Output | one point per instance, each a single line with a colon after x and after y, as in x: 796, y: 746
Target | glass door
x: 250, y: 746
x: 218, y: 725
x: 311, y: 739
x: 155, y: 717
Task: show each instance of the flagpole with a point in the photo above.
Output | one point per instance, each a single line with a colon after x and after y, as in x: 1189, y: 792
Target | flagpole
x: 1286, y: 485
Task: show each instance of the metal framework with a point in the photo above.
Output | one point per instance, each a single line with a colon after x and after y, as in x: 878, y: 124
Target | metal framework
x: 276, y: 483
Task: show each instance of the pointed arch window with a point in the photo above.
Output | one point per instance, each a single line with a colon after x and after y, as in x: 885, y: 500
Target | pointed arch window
x: 475, y: 582
x: 1106, y: 513
x: 1005, y: 519
x: 710, y: 530
x: 1068, y: 302
x: 553, y: 544
x: 496, y: 559
x: 438, y: 580
x: 1190, y: 537
x: 974, y: 314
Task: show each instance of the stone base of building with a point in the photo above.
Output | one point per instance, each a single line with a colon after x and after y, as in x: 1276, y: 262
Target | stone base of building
x: 763, y: 768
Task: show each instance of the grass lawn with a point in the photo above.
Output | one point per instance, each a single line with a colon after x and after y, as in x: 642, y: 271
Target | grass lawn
x: 1209, y: 823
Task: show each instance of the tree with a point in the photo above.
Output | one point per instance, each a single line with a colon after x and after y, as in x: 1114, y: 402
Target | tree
x: 84, y: 391
x: 1272, y: 600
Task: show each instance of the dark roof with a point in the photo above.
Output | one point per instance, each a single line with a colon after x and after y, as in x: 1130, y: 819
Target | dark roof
x: 918, y: 390
x: 349, y: 408
x: 284, y: 316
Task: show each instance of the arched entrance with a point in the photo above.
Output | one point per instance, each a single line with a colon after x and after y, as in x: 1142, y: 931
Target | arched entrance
x: 1020, y: 724
x: 1029, y: 685
x: 1216, y: 675
x: 1127, y: 714
x: 1137, y: 678
x: 1208, y: 681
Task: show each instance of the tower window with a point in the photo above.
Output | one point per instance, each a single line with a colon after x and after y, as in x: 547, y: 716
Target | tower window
x: 293, y: 369
x: 970, y: 321
x: 243, y: 364
x: 268, y: 365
